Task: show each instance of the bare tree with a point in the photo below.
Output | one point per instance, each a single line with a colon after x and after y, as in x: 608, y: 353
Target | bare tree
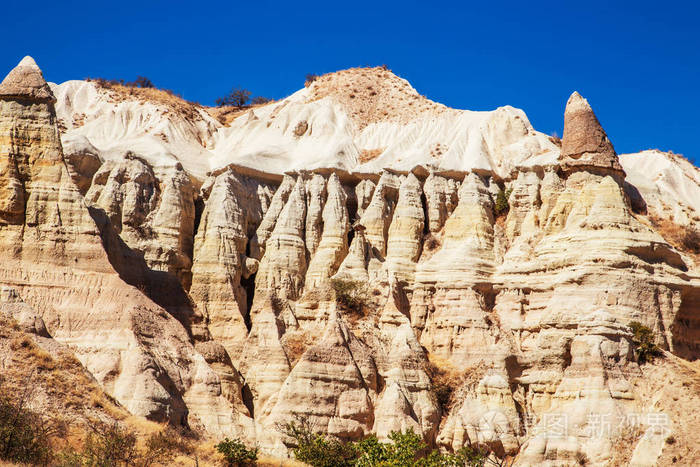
x: 238, y: 97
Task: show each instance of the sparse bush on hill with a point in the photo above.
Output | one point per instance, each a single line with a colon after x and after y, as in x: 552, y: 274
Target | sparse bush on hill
x: 404, y: 449
x: 140, y: 82
x: 643, y: 340
x: 237, y: 97
x: 112, y: 445
x: 237, y: 454
x: 502, y: 206
x: 351, y: 295
x: 260, y: 100
x: 241, y: 98
x: 310, y: 78
x: 316, y: 449
x: 25, y: 435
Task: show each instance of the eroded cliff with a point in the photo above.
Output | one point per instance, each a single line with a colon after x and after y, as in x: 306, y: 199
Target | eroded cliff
x: 219, y: 300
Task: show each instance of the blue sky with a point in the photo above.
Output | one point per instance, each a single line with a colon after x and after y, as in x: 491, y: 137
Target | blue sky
x: 638, y: 63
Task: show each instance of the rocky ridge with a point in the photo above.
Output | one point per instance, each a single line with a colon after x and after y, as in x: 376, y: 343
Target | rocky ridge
x: 208, y: 298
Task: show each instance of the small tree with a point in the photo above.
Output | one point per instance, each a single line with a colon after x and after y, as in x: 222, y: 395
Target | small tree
x: 502, y: 206
x: 316, y: 449
x: 351, y: 295
x: 260, y: 100
x: 237, y: 454
x: 643, y: 340
x: 310, y: 78
x: 26, y: 435
x: 110, y: 445
x: 238, y: 97
x: 141, y: 82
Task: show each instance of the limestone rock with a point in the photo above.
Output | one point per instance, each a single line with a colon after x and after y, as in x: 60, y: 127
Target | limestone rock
x: 441, y: 198
x: 333, y: 246
x: 210, y: 302
x: 231, y: 216
x: 279, y: 200
x: 585, y: 143
x: 153, y: 214
x: 330, y: 385
x: 56, y: 261
x: 283, y: 267
x: 363, y: 193
x: 405, y: 236
x: 26, y: 81
x: 316, y: 199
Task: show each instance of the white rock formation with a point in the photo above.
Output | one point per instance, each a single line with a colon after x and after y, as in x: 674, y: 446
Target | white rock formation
x: 236, y: 234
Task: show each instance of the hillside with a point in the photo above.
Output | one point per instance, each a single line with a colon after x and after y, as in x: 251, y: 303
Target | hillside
x: 362, y: 257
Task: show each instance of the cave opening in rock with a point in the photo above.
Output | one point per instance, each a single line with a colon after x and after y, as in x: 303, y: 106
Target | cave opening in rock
x: 426, y: 221
x: 352, y: 217
x: 248, y: 285
x: 198, y: 210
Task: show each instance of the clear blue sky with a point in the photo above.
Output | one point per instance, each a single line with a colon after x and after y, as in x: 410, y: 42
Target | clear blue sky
x: 638, y: 63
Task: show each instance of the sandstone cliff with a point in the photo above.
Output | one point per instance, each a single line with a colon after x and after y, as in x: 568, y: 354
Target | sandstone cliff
x: 202, y: 278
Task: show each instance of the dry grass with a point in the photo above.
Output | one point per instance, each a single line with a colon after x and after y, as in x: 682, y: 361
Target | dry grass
x: 295, y: 344
x: 163, y: 97
x: 367, y: 155
x: 59, y: 382
x: 447, y: 380
x: 683, y: 238
x: 372, y: 95
x: 227, y: 113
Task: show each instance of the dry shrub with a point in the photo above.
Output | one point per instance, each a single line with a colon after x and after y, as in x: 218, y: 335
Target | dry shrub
x: 228, y: 113
x: 431, y: 243
x: 682, y: 237
x: 367, y: 155
x: 352, y: 296
x: 119, y: 92
x: 446, y: 379
x: 294, y: 345
x: 310, y: 78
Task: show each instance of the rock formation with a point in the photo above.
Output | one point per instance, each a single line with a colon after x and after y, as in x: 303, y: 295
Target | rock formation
x: 230, y: 278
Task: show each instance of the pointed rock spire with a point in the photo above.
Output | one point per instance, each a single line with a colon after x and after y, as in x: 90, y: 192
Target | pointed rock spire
x: 26, y: 81
x: 585, y: 143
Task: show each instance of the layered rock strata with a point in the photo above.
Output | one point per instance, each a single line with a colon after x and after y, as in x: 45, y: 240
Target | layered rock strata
x: 338, y: 296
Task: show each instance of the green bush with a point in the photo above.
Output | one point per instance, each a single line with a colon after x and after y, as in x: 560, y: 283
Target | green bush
x: 465, y: 457
x: 351, y: 295
x: 643, y: 340
x: 405, y: 449
x: 237, y: 97
x: 112, y: 446
x: 316, y: 449
x: 24, y: 434
x: 502, y: 205
x: 236, y: 453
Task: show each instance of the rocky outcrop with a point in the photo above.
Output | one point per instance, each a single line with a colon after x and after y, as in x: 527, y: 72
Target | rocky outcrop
x: 26, y: 81
x: 54, y: 258
x: 405, y: 236
x: 344, y: 297
x: 441, y: 199
x: 225, y: 235
x: 151, y: 213
x: 331, y: 385
x: 333, y: 247
x: 585, y: 144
